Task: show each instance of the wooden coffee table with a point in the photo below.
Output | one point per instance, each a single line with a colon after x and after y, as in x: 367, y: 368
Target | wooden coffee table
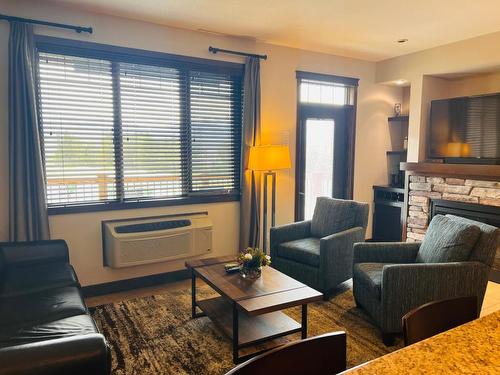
x: 248, y: 311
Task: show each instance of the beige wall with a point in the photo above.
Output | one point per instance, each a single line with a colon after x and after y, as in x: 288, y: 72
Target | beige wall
x: 475, y: 85
x: 476, y: 55
x: 82, y: 231
x: 405, y: 105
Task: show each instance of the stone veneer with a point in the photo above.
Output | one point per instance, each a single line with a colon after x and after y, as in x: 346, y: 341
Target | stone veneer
x: 422, y: 189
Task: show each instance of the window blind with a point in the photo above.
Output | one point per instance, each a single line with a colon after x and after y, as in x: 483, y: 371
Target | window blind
x: 117, y: 131
x: 215, y: 105
x: 76, y: 96
x: 482, y: 128
x: 152, y: 133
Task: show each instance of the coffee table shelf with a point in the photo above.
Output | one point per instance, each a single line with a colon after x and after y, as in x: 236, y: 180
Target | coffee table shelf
x: 252, y: 330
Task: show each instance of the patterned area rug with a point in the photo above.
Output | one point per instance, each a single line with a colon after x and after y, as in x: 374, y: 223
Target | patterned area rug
x: 156, y: 335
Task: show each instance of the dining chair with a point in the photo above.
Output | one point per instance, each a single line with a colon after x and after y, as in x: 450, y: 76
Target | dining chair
x: 438, y: 316
x: 325, y: 354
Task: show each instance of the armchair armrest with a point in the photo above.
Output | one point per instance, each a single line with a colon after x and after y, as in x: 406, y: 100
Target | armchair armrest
x: 406, y: 286
x: 289, y: 232
x: 386, y: 252
x: 34, y: 252
x: 336, y: 252
x: 85, y: 354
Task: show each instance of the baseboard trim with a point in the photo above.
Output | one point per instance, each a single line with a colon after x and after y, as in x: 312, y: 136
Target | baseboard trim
x: 135, y: 283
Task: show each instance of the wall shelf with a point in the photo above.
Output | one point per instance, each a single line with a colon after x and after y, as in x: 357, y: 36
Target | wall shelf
x: 402, y: 118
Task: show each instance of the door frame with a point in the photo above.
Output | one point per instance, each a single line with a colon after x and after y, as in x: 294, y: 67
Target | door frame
x: 307, y: 110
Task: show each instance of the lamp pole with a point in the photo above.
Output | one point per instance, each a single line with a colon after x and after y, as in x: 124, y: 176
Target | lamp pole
x: 273, y: 205
x: 268, y: 159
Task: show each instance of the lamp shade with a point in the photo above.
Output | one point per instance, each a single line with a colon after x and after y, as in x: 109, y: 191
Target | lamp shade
x: 269, y: 158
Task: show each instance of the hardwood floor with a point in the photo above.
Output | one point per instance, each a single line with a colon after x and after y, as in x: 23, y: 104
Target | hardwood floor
x: 491, y: 299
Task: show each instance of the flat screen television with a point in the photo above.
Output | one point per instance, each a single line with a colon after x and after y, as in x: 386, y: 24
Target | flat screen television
x: 465, y: 130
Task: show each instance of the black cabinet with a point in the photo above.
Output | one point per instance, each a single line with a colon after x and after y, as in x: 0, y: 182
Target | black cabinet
x: 388, y: 213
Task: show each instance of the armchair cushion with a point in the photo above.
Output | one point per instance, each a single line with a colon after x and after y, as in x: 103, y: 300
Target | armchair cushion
x: 332, y: 216
x: 305, y: 250
x: 370, y: 276
x: 447, y: 240
x: 486, y: 245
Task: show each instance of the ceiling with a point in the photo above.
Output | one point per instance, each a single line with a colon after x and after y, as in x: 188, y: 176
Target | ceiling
x: 365, y: 29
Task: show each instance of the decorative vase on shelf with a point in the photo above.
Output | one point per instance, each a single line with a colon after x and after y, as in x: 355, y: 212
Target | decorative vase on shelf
x: 251, y: 262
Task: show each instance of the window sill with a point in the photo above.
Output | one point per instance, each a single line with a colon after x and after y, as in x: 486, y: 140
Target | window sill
x: 143, y: 204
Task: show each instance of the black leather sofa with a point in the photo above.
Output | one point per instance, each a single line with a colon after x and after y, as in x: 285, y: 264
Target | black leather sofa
x: 45, y: 326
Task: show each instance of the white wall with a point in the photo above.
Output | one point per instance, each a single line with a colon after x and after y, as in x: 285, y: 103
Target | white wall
x: 82, y: 231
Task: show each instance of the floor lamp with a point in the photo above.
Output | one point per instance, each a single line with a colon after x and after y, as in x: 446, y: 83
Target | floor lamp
x: 269, y: 159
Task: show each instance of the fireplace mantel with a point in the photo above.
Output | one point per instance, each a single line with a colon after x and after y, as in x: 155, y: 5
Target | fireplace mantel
x: 477, y: 171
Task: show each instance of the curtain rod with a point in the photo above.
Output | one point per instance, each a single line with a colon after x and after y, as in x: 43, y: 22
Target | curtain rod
x: 215, y: 50
x: 78, y: 29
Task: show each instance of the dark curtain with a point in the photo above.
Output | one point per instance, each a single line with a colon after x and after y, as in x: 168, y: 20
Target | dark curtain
x: 250, y: 197
x: 28, y: 218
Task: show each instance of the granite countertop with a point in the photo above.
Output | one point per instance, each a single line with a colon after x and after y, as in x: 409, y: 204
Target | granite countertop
x: 473, y: 348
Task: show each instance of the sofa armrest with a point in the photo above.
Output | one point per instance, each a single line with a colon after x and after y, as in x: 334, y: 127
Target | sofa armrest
x: 84, y: 354
x: 406, y: 286
x: 336, y: 252
x: 385, y: 252
x: 31, y: 253
x: 289, y: 232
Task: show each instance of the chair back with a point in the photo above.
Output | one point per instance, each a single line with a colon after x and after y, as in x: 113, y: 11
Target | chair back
x: 438, y: 316
x: 325, y: 354
x: 336, y: 215
x: 486, y: 246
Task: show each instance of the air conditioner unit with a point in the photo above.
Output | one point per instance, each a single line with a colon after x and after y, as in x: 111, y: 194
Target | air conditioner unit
x: 133, y: 242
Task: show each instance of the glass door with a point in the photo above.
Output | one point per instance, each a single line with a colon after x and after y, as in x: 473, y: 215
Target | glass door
x: 322, y: 155
x: 318, y: 169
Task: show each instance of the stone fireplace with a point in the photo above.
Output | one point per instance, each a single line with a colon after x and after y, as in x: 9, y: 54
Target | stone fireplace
x: 422, y: 189
x: 477, y: 196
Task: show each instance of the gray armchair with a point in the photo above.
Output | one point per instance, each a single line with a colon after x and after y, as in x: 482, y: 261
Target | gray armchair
x: 454, y: 260
x: 318, y: 252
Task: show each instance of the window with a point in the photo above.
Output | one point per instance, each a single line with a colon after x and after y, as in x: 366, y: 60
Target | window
x: 121, y: 128
x: 315, y: 91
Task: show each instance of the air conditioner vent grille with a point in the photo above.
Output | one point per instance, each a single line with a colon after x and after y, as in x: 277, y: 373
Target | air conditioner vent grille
x: 154, y: 226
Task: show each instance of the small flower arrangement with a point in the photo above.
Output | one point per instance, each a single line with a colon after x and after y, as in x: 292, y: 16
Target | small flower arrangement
x: 251, y: 261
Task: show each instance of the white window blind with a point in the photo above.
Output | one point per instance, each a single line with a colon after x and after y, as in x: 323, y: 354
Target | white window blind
x: 151, y: 118
x: 118, y: 131
x: 76, y: 96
